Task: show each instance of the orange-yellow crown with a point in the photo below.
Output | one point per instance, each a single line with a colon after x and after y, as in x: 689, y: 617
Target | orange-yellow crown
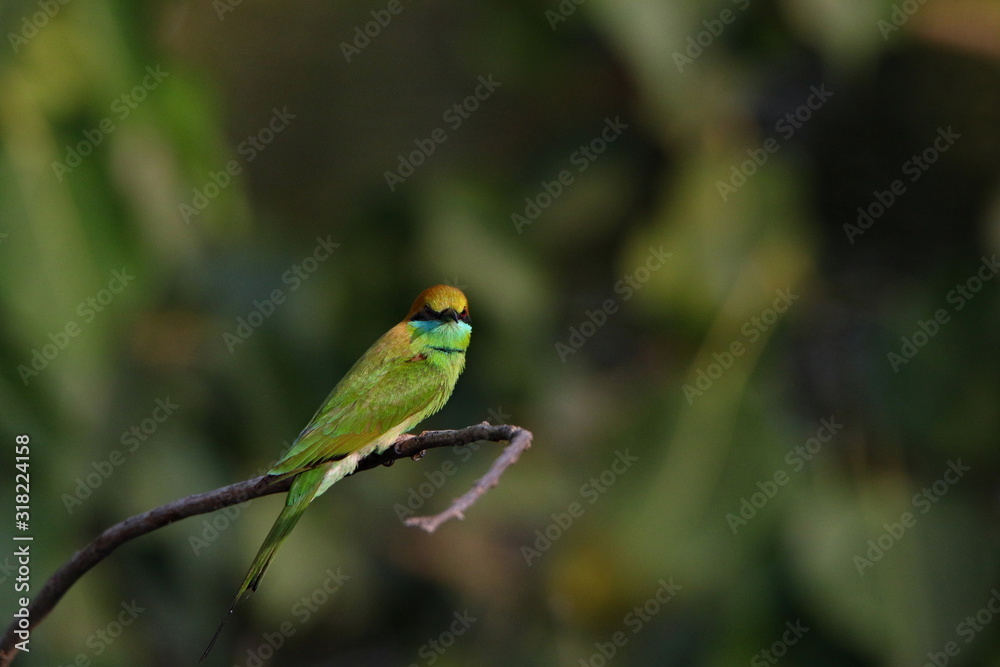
x: 439, y: 298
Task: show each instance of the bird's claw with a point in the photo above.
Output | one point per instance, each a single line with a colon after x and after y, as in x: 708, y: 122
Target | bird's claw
x: 401, y: 440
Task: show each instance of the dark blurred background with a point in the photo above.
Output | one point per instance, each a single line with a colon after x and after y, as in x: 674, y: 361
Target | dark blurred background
x: 732, y: 262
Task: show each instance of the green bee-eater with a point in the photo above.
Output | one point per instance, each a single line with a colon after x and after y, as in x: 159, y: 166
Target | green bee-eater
x: 407, y: 375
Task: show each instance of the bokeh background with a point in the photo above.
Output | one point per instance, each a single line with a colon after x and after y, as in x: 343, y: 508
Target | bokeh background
x: 168, y: 168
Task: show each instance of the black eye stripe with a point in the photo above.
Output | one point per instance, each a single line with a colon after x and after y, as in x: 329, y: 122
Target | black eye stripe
x: 428, y: 313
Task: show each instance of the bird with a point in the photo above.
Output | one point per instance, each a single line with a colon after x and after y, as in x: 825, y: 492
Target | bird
x: 405, y: 376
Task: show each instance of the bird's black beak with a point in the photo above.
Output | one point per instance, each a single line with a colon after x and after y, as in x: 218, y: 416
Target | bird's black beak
x: 450, y: 314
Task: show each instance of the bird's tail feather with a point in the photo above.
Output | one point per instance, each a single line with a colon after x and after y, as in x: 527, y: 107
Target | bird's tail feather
x: 299, y: 496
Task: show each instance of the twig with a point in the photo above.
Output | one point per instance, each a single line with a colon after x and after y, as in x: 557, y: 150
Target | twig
x: 140, y: 524
x: 520, y: 440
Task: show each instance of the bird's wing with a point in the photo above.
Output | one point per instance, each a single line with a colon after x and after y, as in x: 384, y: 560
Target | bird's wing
x: 364, y: 406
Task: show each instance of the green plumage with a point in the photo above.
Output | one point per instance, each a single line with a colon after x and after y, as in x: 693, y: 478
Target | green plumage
x: 391, y: 386
x: 405, y: 376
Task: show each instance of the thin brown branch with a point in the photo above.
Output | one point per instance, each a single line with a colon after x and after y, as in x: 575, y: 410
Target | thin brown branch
x: 405, y: 446
x: 520, y: 440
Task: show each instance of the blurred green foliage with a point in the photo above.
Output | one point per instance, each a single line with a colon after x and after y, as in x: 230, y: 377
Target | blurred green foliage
x: 169, y: 168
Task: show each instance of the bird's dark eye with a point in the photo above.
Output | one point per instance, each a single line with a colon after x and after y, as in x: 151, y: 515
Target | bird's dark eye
x: 426, y: 313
